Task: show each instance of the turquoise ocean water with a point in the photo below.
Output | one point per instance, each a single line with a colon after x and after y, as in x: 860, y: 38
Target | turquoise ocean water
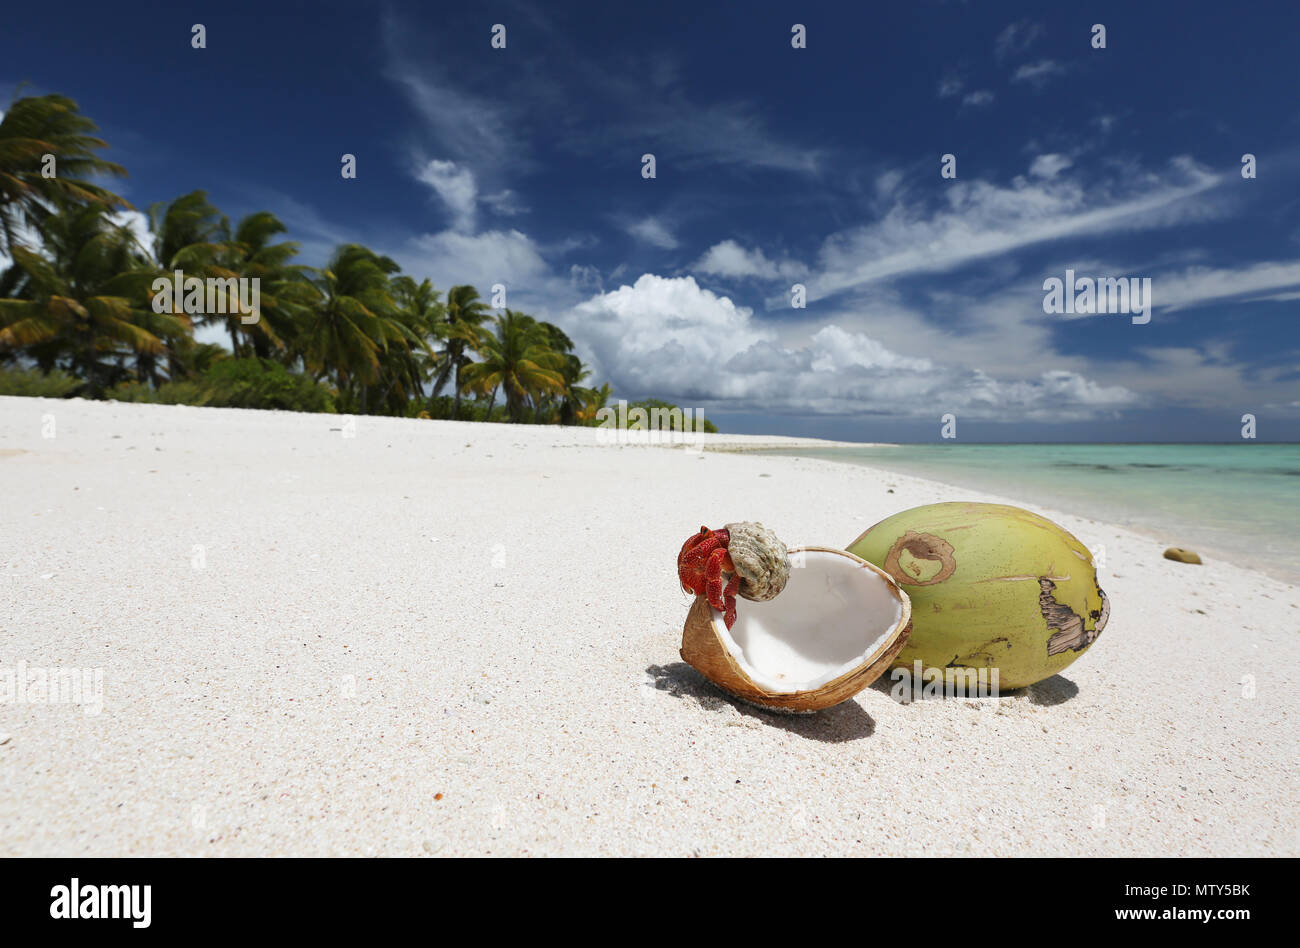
x: 1238, y: 501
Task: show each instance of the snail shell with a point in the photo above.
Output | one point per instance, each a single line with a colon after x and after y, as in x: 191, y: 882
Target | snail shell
x: 761, y: 560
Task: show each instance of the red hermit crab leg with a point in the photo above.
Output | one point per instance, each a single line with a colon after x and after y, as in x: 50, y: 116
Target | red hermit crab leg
x: 729, y: 601
x: 718, y: 562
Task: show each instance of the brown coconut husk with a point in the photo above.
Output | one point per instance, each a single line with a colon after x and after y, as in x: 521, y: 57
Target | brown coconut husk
x: 704, y: 650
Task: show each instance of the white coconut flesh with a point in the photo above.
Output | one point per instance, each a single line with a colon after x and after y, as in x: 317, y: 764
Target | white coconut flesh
x: 834, y: 613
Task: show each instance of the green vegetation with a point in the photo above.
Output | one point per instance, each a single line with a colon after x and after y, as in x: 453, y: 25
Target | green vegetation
x: 37, y: 384
x: 662, y: 416
x: 80, y: 307
x: 235, y: 383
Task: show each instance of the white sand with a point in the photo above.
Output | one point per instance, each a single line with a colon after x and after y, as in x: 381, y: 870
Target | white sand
x: 491, y: 614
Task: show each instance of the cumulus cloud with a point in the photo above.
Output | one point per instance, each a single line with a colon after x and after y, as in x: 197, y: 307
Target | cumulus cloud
x: 669, y: 337
x: 730, y: 259
x: 496, y: 256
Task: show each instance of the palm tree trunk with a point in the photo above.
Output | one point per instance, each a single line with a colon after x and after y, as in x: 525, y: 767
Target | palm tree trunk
x: 492, y: 401
x: 455, y: 411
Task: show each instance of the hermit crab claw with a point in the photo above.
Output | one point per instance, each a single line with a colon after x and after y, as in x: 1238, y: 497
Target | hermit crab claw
x: 748, y: 557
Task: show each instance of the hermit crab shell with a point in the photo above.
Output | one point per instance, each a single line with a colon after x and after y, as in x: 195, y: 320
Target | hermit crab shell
x: 761, y: 560
x: 834, y: 630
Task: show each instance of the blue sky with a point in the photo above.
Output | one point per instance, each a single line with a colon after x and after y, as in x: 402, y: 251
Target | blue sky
x: 775, y: 166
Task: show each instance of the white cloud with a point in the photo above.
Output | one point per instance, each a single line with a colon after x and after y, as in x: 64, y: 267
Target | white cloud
x: 1016, y: 38
x: 730, y: 259
x: 1049, y: 166
x: 653, y: 231
x: 1198, y: 285
x: 982, y: 220
x: 1038, y: 74
x: 1105, y: 123
x: 455, y: 186
x: 138, y: 224
x: 505, y: 203
x: 671, y: 338
x: 497, y: 256
x: 473, y: 128
x: 584, y: 277
x: 978, y: 99
x: 949, y: 88
x: 493, y: 127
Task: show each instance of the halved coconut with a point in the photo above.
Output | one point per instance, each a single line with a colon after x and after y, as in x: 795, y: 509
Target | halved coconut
x: 832, y: 631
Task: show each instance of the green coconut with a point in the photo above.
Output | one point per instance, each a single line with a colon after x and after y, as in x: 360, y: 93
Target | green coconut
x: 992, y: 587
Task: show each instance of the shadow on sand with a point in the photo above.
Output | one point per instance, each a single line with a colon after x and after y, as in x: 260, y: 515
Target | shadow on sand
x: 1046, y: 693
x: 844, y: 722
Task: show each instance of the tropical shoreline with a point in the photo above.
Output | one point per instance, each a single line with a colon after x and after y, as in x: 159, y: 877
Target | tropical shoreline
x: 1182, y: 507
x: 454, y: 638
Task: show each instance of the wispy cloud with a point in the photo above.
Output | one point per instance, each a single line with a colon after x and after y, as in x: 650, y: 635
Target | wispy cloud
x: 477, y: 130
x: 950, y: 87
x: 455, y: 186
x: 1196, y: 286
x: 1049, y: 166
x: 1038, y: 74
x: 1016, y: 38
x: 980, y: 219
x: 653, y: 231
x: 496, y: 127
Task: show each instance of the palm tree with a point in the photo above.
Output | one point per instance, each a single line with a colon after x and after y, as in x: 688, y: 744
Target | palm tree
x: 574, y: 399
x: 85, y: 300
x: 517, y: 359
x: 593, y: 400
x: 190, y: 235
x: 563, y: 406
x: 465, y: 313
x: 285, y: 293
x: 190, y: 357
x: 352, y: 325
x: 420, y: 318
x: 31, y: 129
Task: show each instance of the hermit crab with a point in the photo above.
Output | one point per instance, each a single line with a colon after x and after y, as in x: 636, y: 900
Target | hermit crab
x: 750, y: 554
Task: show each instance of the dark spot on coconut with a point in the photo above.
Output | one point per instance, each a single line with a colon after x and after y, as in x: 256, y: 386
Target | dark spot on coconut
x: 921, y: 547
x: 1069, y: 631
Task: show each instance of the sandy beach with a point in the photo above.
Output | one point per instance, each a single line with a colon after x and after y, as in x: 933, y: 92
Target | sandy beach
x: 416, y: 638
